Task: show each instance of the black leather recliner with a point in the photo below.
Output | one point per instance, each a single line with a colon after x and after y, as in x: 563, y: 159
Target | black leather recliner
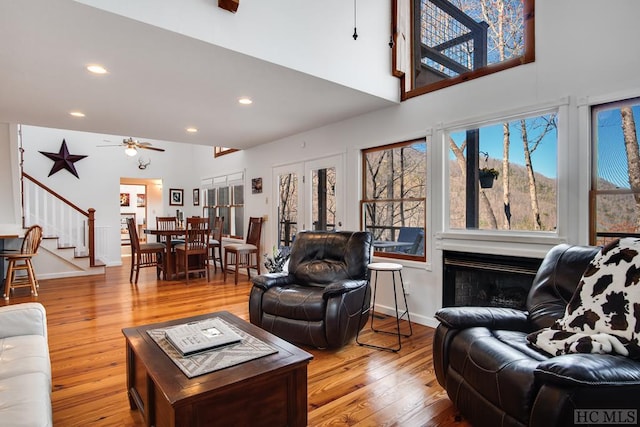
x: 323, y: 300
x: 494, y: 378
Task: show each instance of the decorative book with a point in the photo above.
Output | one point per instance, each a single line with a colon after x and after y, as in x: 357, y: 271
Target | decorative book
x: 196, y: 337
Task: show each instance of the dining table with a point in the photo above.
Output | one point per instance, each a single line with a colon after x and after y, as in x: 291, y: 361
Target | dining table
x: 168, y: 260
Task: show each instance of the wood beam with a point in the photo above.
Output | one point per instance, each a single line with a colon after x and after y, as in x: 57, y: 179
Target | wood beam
x: 230, y: 5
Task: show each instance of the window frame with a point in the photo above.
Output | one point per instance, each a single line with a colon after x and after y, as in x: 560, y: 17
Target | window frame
x: 459, y: 238
x: 221, y: 151
x: 594, y: 192
x: 363, y: 201
x: 528, y: 56
x: 230, y: 183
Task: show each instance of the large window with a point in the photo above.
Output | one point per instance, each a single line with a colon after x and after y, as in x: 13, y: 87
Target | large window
x: 226, y: 199
x: 503, y: 176
x: 394, y: 198
x: 615, y: 184
x: 439, y: 43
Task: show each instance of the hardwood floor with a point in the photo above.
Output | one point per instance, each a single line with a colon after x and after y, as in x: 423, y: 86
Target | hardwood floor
x: 353, y: 386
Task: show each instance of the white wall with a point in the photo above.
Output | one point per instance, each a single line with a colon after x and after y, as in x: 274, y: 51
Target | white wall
x: 296, y: 34
x: 584, y: 51
x: 6, y: 181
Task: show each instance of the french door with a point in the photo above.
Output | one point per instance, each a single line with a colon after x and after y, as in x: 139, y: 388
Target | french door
x: 309, y: 196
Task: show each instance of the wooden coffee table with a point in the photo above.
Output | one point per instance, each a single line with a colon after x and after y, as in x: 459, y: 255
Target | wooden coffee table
x: 269, y: 391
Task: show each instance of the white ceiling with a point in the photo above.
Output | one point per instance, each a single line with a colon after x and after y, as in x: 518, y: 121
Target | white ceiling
x: 159, y: 82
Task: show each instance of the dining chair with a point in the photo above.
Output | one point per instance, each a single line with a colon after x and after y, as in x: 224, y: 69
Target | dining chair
x: 244, y: 255
x: 21, y: 261
x: 192, y: 256
x: 215, y: 242
x: 167, y: 223
x: 143, y: 254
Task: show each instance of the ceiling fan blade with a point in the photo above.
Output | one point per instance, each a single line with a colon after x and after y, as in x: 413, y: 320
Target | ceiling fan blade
x: 150, y: 148
x: 110, y: 145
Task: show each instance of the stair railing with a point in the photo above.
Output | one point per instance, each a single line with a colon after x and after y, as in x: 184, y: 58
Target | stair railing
x: 74, y: 227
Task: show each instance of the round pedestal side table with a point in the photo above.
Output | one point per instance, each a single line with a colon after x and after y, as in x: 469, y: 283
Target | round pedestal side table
x: 394, y: 269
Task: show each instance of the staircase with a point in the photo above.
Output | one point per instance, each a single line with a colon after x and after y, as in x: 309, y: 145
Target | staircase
x: 55, y: 261
x: 68, y: 244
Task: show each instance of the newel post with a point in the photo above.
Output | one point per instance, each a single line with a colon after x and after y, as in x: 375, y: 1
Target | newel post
x: 92, y: 237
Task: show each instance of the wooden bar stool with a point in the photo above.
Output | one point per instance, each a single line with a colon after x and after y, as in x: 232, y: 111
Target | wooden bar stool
x: 244, y: 255
x: 21, y: 261
x: 393, y: 268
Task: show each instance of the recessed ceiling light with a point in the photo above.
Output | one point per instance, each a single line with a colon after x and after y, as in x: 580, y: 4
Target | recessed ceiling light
x: 192, y: 130
x: 97, y: 69
x: 245, y: 100
x: 77, y: 113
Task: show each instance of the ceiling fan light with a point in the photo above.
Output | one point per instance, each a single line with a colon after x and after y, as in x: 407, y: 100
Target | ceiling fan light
x: 130, y: 151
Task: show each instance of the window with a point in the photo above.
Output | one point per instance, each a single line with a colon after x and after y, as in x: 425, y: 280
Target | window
x: 221, y: 151
x: 393, y: 207
x: 615, y: 183
x: 288, y: 217
x: 226, y: 200
x: 439, y: 43
x: 503, y: 176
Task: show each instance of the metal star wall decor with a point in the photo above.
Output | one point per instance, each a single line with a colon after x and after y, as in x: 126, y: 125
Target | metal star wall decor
x: 63, y: 160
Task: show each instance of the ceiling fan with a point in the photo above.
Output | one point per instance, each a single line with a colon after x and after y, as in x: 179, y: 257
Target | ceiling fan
x: 131, y: 146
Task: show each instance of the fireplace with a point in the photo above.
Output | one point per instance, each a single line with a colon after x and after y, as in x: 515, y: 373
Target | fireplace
x: 473, y: 279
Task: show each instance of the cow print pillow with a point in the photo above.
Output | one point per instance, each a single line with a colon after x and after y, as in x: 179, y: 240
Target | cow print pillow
x: 603, y: 315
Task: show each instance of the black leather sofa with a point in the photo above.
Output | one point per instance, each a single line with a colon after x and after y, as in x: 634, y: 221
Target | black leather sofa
x: 323, y: 300
x: 494, y: 378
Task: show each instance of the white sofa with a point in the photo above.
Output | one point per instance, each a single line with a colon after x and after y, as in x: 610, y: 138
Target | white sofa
x: 25, y: 368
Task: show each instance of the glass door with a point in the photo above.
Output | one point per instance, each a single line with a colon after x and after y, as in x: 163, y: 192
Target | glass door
x: 323, y: 193
x: 287, y: 180
x: 307, y: 197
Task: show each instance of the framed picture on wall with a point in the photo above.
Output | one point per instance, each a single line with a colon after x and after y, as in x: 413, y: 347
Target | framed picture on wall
x: 196, y: 197
x: 176, y: 197
x: 125, y: 199
x: 141, y: 200
x: 256, y: 185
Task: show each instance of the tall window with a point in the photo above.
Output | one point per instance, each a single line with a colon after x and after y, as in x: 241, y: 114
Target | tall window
x: 503, y: 176
x: 439, y: 43
x: 615, y: 183
x: 394, y: 198
x: 226, y: 200
x: 287, y: 208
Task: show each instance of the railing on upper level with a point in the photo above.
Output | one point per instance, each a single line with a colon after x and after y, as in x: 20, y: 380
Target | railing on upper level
x: 74, y: 227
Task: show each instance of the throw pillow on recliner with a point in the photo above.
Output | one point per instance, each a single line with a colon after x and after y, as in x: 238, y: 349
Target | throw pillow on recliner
x: 603, y: 315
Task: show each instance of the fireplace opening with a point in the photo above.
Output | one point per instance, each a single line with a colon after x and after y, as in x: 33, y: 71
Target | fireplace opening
x: 472, y: 279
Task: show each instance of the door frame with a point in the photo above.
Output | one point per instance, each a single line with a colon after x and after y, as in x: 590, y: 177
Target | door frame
x: 304, y: 170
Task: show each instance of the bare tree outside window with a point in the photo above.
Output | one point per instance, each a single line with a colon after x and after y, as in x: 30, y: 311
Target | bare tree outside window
x: 323, y: 203
x: 530, y: 202
x: 287, y: 209
x: 458, y: 40
x: 394, y: 198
